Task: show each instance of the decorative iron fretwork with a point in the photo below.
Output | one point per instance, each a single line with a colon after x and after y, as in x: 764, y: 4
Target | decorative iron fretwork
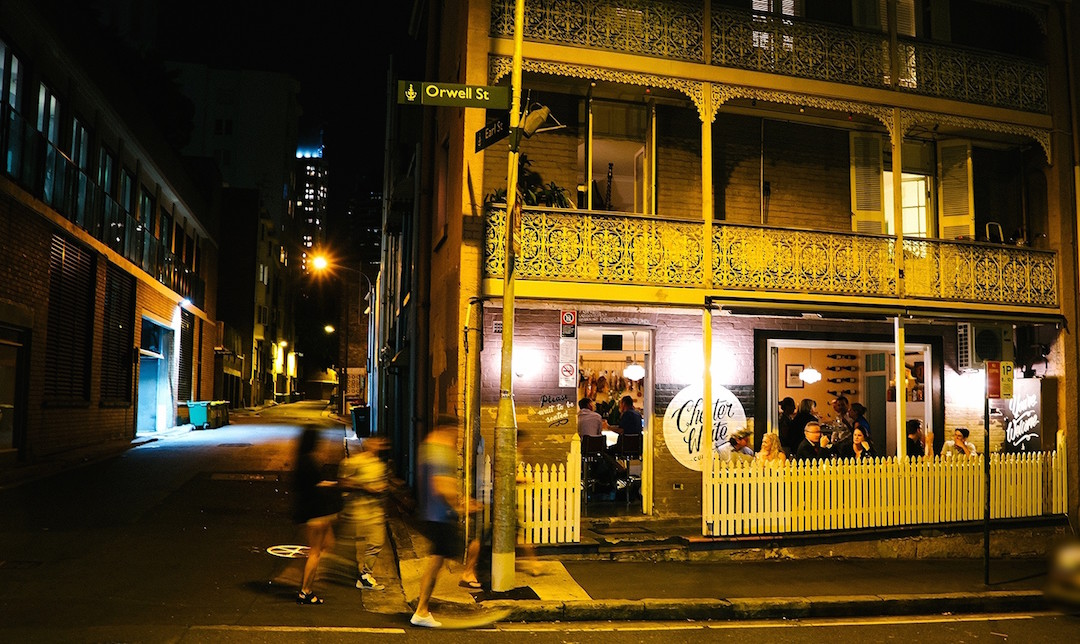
x: 599, y: 247
x: 785, y: 45
x: 794, y: 47
x: 723, y: 93
x: 583, y: 246
x: 751, y: 257
x: 976, y: 76
x: 665, y: 29
x: 499, y: 66
x: 979, y: 272
x: 911, y: 118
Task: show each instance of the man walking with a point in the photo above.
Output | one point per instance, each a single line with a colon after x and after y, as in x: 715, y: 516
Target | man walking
x: 363, y: 479
x: 439, y: 504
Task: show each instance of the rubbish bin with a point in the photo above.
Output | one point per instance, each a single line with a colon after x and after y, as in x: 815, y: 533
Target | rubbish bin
x: 198, y: 414
x: 361, y: 421
x: 219, y: 413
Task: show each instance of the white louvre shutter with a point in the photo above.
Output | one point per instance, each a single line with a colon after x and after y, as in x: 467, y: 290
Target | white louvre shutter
x: 867, y: 189
x: 957, y: 199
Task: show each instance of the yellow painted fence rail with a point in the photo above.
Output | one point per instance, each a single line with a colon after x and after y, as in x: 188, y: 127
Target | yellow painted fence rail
x: 745, y: 498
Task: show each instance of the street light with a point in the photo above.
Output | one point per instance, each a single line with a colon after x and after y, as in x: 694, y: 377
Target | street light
x: 322, y: 264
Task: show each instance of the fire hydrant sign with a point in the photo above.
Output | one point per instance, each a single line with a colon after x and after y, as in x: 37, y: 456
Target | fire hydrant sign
x: 999, y: 379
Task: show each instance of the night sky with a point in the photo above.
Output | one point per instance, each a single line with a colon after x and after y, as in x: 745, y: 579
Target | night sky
x: 339, y: 50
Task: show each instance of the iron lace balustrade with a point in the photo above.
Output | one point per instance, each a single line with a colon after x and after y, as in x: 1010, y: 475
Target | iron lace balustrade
x: 615, y: 248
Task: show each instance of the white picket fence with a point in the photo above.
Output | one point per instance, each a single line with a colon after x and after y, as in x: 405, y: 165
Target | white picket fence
x: 745, y: 498
x: 548, y: 497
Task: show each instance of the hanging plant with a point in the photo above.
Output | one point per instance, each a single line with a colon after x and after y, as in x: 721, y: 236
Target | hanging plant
x: 534, y: 192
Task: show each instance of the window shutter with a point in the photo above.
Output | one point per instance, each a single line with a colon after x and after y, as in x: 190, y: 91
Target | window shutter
x: 118, y: 336
x: 867, y: 188
x: 187, y: 345
x: 957, y: 199
x: 70, y: 323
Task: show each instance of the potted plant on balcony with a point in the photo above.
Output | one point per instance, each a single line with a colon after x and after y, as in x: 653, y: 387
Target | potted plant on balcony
x: 534, y: 192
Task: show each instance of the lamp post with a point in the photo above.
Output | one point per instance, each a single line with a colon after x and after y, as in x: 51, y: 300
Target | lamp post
x: 322, y: 264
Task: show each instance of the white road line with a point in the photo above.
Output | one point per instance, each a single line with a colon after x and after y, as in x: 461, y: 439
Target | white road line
x: 600, y: 627
x: 298, y: 629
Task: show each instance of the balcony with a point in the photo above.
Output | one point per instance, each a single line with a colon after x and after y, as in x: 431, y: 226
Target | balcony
x: 787, y: 45
x: 590, y: 247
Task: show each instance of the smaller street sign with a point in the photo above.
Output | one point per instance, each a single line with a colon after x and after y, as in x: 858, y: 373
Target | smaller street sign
x: 496, y: 130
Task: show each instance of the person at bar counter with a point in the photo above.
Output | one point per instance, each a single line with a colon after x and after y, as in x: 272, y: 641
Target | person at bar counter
x: 771, y: 452
x: 789, y: 440
x: 630, y: 422
x: 841, y: 425
x: 814, y: 445
x: 960, y: 445
x: 737, y: 447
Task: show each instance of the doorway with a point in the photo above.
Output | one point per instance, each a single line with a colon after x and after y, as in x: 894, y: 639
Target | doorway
x: 156, y: 409
x: 614, y: 362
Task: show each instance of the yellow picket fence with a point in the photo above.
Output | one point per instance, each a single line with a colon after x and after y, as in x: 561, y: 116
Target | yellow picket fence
x: 548, y: 498
x: 745, y: 498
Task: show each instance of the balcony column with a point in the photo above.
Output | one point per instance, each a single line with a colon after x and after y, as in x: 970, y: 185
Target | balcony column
x: 706, y: 410
x: 897, y: 142
x: 901, y: 387
x: 706, y: 185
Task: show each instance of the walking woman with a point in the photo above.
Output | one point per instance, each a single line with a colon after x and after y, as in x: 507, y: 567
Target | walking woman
x: 317, y: 503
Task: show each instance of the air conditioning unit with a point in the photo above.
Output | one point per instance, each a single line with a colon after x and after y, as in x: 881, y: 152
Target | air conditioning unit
x: 977, y: 343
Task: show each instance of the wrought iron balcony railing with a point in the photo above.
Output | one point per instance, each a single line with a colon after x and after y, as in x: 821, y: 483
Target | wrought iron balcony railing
x: 613, y: 248
x: 786, y: 45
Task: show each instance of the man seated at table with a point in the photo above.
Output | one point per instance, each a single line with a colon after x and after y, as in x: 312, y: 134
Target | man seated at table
x: 589, y: 423
x: 814, y: 445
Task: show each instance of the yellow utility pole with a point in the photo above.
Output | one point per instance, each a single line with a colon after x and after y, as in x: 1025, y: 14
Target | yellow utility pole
x: 504, y: 520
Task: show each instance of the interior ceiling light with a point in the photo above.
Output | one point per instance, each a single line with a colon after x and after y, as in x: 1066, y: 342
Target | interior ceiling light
x: 810, y: 374
x: 634, y: 371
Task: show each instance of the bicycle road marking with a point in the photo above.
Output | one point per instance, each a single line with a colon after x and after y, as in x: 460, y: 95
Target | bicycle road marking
x: 288, y: 551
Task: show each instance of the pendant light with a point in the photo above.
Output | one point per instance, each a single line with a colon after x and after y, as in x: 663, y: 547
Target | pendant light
x: 810, y: 375
x: 634, y: 371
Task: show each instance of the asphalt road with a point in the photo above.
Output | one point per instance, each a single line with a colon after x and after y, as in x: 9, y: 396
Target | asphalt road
x: 169, y: 543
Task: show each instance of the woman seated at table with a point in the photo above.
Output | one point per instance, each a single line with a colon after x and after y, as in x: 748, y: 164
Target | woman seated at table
x: 859, y: 447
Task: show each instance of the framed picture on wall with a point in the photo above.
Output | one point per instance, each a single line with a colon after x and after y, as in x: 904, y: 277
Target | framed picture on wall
x: 793, y: 371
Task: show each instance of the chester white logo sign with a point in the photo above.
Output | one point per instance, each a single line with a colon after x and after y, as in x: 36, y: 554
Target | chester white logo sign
x: 684, y: 420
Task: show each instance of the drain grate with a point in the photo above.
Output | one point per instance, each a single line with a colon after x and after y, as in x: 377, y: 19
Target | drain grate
x: 244, y: 476
x: 620, y: 530
x: 19, y: 565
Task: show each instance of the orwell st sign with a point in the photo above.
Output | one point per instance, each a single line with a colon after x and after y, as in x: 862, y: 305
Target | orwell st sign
x: 453, y: 94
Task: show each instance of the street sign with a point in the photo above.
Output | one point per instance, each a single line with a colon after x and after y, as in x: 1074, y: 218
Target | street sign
x: 569, y: 324
x: 495, y: 130
x: 453, y: 94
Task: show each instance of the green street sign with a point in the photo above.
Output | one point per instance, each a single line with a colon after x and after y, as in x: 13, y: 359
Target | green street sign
x: 453, y: 94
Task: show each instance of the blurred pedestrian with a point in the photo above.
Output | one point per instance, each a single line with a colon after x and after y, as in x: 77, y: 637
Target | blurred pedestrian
x: 364, y: 481
x: 317, y: 502
x: 439, y: 505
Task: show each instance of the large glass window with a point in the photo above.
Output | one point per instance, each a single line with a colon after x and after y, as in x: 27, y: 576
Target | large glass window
x: 618, y: 147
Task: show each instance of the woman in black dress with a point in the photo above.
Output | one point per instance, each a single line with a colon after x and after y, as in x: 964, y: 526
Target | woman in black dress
x: 317, y: 503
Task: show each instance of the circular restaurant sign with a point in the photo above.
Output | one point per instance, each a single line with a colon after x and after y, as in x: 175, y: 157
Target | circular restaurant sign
x: 684, y: 419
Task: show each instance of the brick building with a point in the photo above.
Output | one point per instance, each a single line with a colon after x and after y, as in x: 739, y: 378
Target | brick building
x: 108, y: 269
x: 761, y: 193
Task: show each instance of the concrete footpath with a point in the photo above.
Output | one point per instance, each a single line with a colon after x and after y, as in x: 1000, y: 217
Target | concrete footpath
x: 579, y: 586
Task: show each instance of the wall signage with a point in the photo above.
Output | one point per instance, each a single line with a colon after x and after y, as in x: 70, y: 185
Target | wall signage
x: 1021, y: 417
x: 684, y: 419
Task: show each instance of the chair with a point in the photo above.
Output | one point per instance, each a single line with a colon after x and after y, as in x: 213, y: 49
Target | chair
x: 592, y: 451
x: 629, y: 448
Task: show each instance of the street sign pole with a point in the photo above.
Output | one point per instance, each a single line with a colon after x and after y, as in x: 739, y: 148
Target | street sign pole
x: 504, y: 521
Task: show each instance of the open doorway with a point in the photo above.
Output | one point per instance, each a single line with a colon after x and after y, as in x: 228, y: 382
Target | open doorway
x: 156, y: 408
x: 613, y: 363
